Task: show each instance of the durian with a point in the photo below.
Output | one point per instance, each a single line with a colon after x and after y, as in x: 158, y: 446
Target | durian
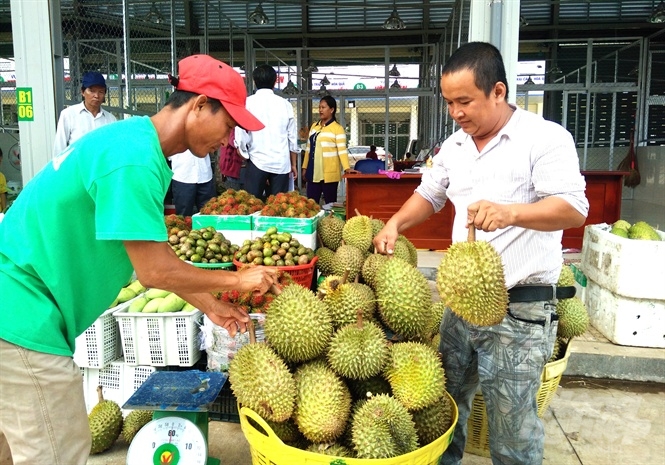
x: 471, y: 282
x: 404, y: 298
x: 621, y: 224
x: 298, y: 325
x: 348, y: 257
x: 573, y: 318
x: 357, y: 232
x: 383, y: 428
x: 333, y: 449
x: 105, y: 421
x: 358, y: 350
x: 433, y: 421
x: 415, y: 374
x: 371, y: 267
x: 323, y: 402
x: 329, y: 229
x: 135, y: 420
x: 343, y: 301
x: 261, y: 381
x: 325, y: 260
x: 566, y: 277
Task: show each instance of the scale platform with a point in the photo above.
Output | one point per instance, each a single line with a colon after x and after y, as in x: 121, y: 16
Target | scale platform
x: 178, y: 432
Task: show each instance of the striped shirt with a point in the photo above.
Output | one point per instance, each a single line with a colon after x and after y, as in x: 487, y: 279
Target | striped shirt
x: 528, y: 160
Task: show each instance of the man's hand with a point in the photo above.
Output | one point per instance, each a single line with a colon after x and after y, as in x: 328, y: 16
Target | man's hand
x: 257, y: 279
x: 294, y: 171
x: 384, y: 241
x: 229, y: 316
x: 489, y: 216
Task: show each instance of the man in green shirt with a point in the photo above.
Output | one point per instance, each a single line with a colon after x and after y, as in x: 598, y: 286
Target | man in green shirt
x: 73, y: 237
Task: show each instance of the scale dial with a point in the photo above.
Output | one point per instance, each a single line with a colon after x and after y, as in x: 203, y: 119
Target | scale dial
x: 168, y: 441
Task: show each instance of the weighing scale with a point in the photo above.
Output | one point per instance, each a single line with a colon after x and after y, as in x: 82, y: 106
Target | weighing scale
x: 178, y: 432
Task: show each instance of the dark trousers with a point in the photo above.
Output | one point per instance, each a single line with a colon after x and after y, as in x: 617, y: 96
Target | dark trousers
x: 187, y: 196
x: 328, y: 189
x: 261, y: 184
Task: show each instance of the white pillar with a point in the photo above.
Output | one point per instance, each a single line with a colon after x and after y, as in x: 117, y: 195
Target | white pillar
x: 31, y: 28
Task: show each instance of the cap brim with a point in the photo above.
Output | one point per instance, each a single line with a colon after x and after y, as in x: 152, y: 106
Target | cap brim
x: 243, y: 117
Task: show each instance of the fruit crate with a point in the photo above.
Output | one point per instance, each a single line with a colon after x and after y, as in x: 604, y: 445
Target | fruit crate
x: 225, y: 407
x: 235, y: 228
x: 160, y: 339
x: 302, y: 274
x: 118, y: 380
x: 99, y: 345
x: 624, y: 320
x: 619, y: 264
x: 302, y: 229
x: 477, y: 441
x: 267, y: 449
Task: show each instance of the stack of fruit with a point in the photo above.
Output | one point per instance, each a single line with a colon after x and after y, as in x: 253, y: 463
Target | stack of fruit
x: 274, y: 248
x: 290, y: 205
x: 640, y: 231
x: 175, y: 223
x: 232, y: 202
x: 128, y: 292
x: 159, y: 301
x: 205, y: 245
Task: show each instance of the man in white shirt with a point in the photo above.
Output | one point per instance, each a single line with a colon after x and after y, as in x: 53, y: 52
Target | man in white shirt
x: 83, y: 117
x: 515, y: 177
x: 271, y: 152
x: 192, y: 184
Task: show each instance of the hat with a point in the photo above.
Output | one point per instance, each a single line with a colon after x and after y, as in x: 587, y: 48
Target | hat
x: 202, y: 74
x: 93, y: 78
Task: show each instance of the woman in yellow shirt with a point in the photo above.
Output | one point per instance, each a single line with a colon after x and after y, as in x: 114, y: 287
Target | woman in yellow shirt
x: 326, y: 154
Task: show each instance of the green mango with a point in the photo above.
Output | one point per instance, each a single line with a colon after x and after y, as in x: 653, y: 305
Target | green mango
x: 171, y: 303
x: 155, y: 293
x: 125, y: 294
x: 137, y: 305
x: 153, y: 305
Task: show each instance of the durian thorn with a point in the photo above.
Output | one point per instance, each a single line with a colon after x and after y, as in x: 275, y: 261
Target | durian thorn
x: 100, y: 394
x: 345, y: 276
x: 472, y: 233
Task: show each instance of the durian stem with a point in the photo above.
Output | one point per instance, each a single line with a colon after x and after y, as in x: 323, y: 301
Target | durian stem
x: 359, y: 318
x: 357, y: 212
x: 252, y: 331
x: 345, y: 276
x: 472, y: 233
x: 100, y: 394
x: 276, y: 289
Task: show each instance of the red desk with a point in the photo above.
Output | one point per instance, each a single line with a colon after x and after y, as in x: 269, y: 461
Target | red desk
x: 378, y: 196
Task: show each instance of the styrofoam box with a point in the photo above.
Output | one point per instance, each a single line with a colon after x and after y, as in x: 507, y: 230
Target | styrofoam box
x: 160, y: 339
x: 236, y: 228
x: 118, y: 380
x: 302, y: 229
x: 99, y: 345
x: 627, y: 267
x: 626, y: 321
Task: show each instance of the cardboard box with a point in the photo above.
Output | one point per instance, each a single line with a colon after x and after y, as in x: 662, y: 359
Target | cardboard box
x: 626, y: 267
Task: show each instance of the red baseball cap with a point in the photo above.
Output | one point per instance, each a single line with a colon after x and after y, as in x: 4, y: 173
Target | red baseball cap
x: 202, y: 74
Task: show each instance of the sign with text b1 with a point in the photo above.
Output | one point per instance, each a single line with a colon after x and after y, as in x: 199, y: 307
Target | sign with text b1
x: 24, y: 104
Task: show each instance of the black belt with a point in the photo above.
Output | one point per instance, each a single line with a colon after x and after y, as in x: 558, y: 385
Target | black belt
x: 539, y: 292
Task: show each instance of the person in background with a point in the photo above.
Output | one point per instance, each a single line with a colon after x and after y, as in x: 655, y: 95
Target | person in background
x: 3, y: 189
x: 372, y: 153
x: 514, y: 177
x: 326, y: 155
x: 232, y: 165
x: 83, y: 117
x: 89, y: 219
x: 271, y: 152
x: 192, y: 184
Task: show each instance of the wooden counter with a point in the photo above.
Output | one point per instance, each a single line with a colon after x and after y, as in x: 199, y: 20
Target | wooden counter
x: 380, y: 197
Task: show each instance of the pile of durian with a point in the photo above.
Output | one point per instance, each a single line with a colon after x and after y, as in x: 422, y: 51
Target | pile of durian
x: 350, y: 371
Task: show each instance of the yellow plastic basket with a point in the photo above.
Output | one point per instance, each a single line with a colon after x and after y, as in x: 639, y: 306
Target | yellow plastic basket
x: 267, y: 449
x: 477, y: 441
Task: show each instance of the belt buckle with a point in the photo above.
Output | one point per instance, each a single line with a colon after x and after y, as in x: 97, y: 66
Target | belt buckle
x: 553, y: 292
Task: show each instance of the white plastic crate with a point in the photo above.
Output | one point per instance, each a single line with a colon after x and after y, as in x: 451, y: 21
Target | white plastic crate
x: 160, y: 339
x: 99, y: 345
x: 626, y: 321
x: 118, y: 380
x: 627, y: 267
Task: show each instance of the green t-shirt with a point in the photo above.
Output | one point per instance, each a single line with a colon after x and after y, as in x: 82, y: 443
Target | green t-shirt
x: 62, y: 259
